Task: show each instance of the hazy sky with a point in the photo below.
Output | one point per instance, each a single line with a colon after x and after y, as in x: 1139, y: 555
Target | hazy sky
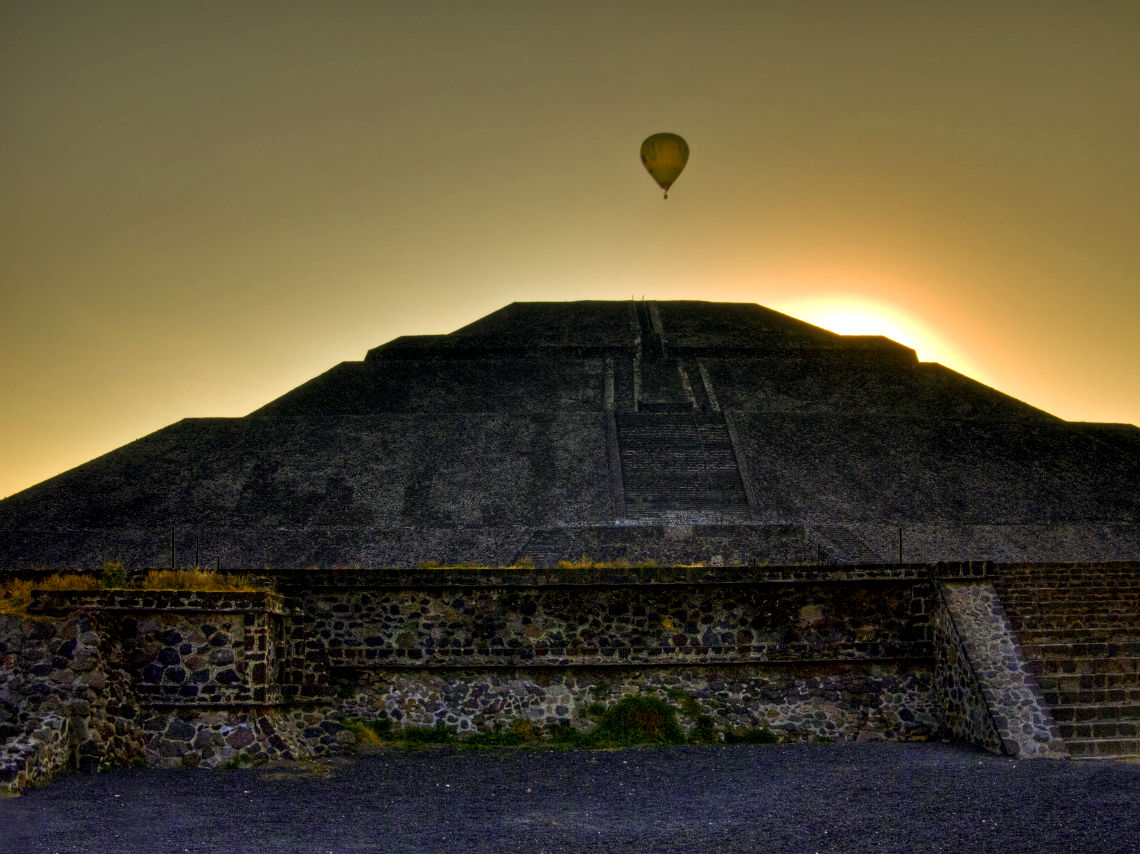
x: 204, y: 204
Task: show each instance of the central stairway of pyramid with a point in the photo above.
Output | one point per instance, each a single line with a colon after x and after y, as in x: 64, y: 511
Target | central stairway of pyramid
x: 677, y: 464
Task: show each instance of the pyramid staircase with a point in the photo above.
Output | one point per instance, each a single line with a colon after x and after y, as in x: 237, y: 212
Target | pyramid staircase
x: 843, y: 545
x: 1079, y: 629
x: 547, y: 548
x: 679, y: 465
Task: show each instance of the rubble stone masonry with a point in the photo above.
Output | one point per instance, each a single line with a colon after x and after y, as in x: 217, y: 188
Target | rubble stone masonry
x: 98, y: 678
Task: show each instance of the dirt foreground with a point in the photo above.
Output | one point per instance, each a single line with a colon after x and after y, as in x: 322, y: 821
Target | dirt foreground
x: 884, y: 797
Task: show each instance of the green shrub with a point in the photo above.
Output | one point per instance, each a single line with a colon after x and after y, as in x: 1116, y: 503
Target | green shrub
x: 689, y: 705
x: 703, y: 732
x: 633, y: 721
x: 364, y: 733
x: 564, y: 735
x: 113, y: 575
x: 637, y: 720
x: 521, y: 731
x: 438, y: 734
x: 242, y: 760
x: 752, y: 736
x: 498, y: 738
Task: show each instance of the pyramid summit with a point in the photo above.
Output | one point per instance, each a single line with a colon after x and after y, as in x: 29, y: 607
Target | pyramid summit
x: 675, y: 431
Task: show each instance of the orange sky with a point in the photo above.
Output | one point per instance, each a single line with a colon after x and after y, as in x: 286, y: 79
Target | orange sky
x: 204, y: 204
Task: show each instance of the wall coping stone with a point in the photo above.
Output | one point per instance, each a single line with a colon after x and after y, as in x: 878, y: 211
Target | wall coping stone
x: 166, y: 601
x: 628, y: 664
x: 675, y: 576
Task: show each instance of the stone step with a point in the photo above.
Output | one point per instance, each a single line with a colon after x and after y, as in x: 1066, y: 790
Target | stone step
x: 1069, y: 579
x: 1072, y: 597
x: 1092, y: 697
x: 1099, y: 729
x: 668, y: 459
x: 667, y: 506
x: 1075, y: 634
x: 1104, y: 748
x: 692, y: 483
x: 1058, y: 607
x: 1050, y: 607
x: 1073, y: 683
x: 659, y: 466
x: 1074, y: 584
x: 1078, y: 609
x: 1131, y: 570
x: 677, y: 458
x: 1130, y: 585
x: 1125, y: 574
x: 655, y: 487
x: 1076, y: 713
x: 1077, y: 649
x: 1074, y: 628
x: 1127, y: 623
x: 1128, y: 667
x: 1011, y: 570
x: 1123, y: 624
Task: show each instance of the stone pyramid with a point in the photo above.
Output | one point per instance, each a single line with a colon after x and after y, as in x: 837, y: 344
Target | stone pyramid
x: 681, y: 432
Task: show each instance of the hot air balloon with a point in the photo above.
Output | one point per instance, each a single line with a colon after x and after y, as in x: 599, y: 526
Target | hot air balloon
x: 665, y: 155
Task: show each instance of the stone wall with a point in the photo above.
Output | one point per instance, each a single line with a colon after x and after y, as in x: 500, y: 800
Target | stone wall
x: 227, y: 736
x: 857, y: 701
x: 984, y: 684
x: 806, y: 651
x: 65, y: 700
x: 957, y: 692
x: 96, y: 678
x: 189, y: 648
x: 517, y: 622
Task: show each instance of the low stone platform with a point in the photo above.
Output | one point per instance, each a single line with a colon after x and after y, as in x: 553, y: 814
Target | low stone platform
x: 97, y: 678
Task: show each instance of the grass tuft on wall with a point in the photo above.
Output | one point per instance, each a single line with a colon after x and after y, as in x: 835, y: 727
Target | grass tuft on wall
x: 198, y: 579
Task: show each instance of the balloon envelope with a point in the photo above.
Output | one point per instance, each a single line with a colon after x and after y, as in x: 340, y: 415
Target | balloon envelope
x: 664, y: 155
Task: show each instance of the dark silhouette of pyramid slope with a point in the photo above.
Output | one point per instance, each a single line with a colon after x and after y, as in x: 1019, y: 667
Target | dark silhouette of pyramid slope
x: 676, y: 431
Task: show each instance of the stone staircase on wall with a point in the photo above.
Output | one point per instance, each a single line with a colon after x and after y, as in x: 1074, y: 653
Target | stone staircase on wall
x: 679, y: 464
x: 1080, y: 630
x: 546, y: 548
x: 842, y: 545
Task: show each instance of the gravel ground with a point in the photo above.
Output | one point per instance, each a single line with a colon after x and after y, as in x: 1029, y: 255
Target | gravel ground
x: 743, y: 798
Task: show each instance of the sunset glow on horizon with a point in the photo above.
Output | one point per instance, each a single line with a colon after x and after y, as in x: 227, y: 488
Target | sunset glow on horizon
x: 853, y: 316
x: 203, y: 206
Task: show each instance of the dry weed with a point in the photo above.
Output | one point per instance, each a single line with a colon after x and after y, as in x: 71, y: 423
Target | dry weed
x: 197, y: 579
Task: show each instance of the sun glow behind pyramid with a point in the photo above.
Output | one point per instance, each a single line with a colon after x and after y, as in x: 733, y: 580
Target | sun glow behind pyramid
x: 856, y: 316
x: 201, y: 206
